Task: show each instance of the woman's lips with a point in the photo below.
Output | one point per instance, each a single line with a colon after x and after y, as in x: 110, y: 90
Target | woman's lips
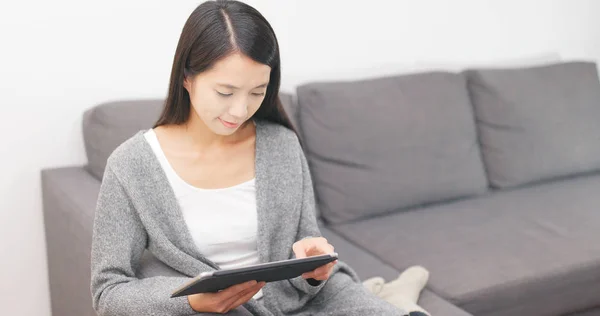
x: 229, y: 124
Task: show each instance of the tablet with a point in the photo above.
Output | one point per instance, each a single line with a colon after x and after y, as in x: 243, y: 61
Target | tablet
x: 214, y: 281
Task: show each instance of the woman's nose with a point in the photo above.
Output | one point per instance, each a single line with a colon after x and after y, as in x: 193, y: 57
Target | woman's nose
x: 239, y: 109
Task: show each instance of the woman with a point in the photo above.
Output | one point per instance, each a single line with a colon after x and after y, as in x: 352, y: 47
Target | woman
x: 219, y: 182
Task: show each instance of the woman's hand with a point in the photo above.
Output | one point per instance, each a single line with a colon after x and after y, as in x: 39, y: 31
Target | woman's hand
x: 315, y: 246
x: 224, y: 301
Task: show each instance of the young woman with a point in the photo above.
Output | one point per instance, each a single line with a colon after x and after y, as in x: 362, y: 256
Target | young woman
x: 219, y: 182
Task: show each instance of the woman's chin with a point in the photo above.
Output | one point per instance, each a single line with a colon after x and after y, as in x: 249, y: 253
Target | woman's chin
x: 221, y: 130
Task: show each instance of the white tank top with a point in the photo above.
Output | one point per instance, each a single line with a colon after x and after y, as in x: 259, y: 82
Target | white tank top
x: 222, y: 222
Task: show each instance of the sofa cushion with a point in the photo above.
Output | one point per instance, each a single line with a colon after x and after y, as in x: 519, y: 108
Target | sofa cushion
x: 591, y: 312
x: 532, y: 251
x: 362, y: 262
x: 289, y: 106
x: 379, y: 145
x: 107, y: 125
x: 436, y: 305
x: 367, y: 266
x: 537, y: 123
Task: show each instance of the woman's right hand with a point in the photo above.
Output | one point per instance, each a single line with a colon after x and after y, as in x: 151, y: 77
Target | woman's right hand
x: 224, y: 301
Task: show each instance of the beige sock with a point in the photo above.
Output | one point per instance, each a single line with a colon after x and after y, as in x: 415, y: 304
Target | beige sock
x: 409, y: 284
x: 405, y: 290
x: 374, y: 285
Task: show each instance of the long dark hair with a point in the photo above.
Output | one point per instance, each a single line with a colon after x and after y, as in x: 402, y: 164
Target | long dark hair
x: 213, y: 31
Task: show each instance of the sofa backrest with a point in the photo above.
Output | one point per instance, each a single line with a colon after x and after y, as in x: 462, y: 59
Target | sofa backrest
x: 379, y: 145
x: 537, y: 123
x: 107, y: 125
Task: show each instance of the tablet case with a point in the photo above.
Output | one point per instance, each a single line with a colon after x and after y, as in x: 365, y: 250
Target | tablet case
x: 214, y: 281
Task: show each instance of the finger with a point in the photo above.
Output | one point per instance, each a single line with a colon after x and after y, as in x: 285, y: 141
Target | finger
x: 315, y: 250
x: 331, y: 265
x: 309, y: 250
x: 323, y: 269
x: 232, y: 291
x: 320, y: 249
x: 245, y: 296
x: 328, y: 248
x: 299, y: 250
x: 312, y: 274
x: 317, y: 276
x: 227, y: 302
x: 323, y: 274
x: 320, y: 271
x: 322, y: 277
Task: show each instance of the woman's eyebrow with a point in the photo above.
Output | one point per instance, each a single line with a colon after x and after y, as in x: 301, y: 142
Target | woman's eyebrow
x: 226, y: 85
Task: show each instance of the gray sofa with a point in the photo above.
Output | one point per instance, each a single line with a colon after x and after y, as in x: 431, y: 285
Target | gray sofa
x: 489, y: 178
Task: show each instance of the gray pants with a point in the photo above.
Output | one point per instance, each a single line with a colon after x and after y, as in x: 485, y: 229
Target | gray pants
x: 350, y: 299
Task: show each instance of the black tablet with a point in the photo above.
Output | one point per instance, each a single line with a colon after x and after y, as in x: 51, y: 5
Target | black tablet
x: 214, y: 281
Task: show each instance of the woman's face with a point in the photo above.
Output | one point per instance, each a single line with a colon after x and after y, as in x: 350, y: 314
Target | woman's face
x: 228, y: 94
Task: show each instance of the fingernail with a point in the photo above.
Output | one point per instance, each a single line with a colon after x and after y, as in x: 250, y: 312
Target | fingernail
x: 252, y: 282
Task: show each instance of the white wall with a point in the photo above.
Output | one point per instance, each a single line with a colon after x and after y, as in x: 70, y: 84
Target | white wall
x: 58, y: 58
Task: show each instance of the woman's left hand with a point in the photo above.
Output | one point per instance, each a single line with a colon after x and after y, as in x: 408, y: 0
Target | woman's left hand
x: 315, y: 246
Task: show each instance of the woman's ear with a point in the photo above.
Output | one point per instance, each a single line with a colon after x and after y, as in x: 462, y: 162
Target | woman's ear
x: 187, y: 83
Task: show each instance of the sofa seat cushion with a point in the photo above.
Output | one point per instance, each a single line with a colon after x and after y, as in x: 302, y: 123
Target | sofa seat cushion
x: 367, y: 266
x: 532, y: 251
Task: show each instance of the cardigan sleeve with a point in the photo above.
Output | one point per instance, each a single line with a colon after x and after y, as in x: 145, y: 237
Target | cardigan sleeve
x: 307, y: 227
x: 118, y: 241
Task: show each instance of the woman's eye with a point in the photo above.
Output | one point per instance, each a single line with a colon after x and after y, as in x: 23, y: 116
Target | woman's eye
x: 224, y: 94
x: 258, y: 94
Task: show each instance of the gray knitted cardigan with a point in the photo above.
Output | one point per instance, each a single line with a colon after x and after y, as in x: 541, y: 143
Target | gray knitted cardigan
x: 137, y: 210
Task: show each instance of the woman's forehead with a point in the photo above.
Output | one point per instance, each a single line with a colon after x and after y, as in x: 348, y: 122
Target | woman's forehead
x: 239, y: 71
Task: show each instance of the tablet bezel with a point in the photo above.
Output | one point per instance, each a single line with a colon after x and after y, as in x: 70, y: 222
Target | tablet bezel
x: 258, y: 268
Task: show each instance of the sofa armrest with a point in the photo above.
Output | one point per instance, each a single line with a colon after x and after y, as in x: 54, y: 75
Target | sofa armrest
x: 69, y: 199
